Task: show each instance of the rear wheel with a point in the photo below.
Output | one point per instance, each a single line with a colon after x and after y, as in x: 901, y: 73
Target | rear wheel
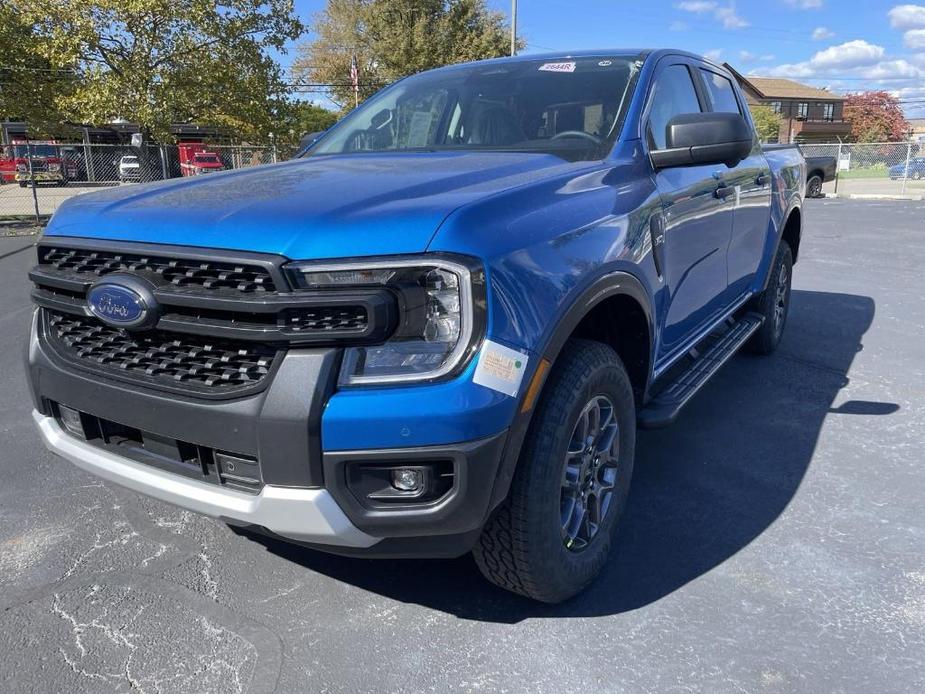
x: 814, y: 187
x: 774, y: 303
x: 553, y: 534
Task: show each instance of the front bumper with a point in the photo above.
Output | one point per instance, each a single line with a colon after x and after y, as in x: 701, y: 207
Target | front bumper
x: 304, y: 515
x: 305, y: 493
x: 41, y: 177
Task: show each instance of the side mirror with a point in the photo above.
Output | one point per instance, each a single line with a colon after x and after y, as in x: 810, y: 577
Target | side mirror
x: 704, y: 138
x: 308, y: 139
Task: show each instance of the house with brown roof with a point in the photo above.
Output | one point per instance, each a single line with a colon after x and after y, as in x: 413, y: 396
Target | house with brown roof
x: 918, y: 129
x: 808, y: 114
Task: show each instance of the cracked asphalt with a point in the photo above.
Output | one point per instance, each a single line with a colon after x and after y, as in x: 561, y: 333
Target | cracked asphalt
x: 774, y: 541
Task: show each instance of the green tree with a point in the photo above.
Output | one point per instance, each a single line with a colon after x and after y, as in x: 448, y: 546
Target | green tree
x: 154, y: 62
x: 28, y: 82
x: 767, y: 121
x: 395, y: 38
x: 297, y: 118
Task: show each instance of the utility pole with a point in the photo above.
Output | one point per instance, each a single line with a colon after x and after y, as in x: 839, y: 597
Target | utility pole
x: 513, y: 27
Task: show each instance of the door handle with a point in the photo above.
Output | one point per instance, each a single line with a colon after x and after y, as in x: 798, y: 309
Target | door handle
x: 763, y: 179
x: 724, y: 192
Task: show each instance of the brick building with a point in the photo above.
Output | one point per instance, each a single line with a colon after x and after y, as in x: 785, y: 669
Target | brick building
x: 808, y: 114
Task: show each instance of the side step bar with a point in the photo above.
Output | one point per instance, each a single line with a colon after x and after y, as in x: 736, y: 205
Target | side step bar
x: 707, y: 358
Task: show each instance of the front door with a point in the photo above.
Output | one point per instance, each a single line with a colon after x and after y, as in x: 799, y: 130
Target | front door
x: 698, y: 217
x: 751, y: 183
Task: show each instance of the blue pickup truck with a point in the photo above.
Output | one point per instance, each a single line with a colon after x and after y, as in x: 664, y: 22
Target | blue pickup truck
x: 438, y: 329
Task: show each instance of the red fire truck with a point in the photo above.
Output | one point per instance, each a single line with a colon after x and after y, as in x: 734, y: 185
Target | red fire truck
x: 195, y: 159
x: 36, y: 160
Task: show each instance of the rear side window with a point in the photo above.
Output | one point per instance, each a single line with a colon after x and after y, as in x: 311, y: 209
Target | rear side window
x: 672, y: 95
x: 722, y: 95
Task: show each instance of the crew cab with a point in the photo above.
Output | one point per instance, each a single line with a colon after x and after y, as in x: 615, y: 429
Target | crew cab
x: 437, y: 331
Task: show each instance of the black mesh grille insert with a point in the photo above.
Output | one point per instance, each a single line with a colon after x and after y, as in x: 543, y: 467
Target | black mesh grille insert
x: 179, y: 272
x: 326, y: 319
x: 184, y: 360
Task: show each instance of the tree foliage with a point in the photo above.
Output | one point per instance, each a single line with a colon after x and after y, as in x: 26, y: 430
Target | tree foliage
x: 298, y: 118
x: 875, y: 117
x: 157, y: 62
x: 28, y: 82
x: 767, y: 121
x: 395, y: 38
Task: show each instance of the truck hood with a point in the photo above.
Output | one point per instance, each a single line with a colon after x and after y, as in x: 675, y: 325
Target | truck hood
x: 319, y: 207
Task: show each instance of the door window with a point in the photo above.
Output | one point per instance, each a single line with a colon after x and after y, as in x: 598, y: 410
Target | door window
x: 722, y: 95
x: 672, y: 95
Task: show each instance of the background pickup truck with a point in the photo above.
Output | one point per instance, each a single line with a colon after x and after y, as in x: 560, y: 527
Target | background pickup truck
x: 437, y: 331
x: 819, y: 170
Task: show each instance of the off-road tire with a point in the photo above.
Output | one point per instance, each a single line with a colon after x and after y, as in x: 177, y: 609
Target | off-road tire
x: 521, y: 548
x: 814, y: 187
x: 768, y: 336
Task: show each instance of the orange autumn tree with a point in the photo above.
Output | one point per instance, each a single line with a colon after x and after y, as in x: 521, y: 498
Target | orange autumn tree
x: 875, y: 117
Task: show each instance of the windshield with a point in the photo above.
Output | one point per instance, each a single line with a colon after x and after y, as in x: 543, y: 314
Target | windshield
x: 37, y: 150
x: 206, y: 159
x: 572, y: 108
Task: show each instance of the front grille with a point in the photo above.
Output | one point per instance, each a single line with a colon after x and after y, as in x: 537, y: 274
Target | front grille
x: 323, y: 319
x: 196, y: 363
x: 179, y: 272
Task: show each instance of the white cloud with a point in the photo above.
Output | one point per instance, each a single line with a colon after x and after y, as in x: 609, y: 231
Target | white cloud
x: 847, y: 55
x: 805, y: 4
x: 697, y: 6
x: 822, y: 34
x: 767, y: 58
x: 915, y: 39
x: 907, y: 16
x: 746, y: 56
x: 724, y: 14
x: 714, y: 54
x: 855, y: 58
x: 729, y: 18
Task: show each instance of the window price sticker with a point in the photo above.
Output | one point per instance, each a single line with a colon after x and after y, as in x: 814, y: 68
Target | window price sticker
x: 500, y: 368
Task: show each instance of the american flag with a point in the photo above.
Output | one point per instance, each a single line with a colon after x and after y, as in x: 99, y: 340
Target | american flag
x: 355, y: 74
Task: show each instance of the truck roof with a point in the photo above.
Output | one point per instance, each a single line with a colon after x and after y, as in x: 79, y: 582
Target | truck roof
x: 630, y: 53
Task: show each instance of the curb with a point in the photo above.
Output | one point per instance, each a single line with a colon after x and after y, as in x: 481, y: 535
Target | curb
x: 865, y: 196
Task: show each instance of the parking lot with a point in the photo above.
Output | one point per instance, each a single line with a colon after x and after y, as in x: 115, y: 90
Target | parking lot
x: 774, y: 540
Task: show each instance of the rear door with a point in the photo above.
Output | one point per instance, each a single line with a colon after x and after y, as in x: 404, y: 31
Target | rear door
x: 751, y: 182
x: 697, y: 222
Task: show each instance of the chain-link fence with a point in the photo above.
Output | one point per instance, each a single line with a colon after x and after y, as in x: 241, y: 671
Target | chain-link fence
x: 879, y: 168
x: 38, y: 177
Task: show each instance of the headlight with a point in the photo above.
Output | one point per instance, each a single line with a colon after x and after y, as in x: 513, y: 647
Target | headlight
x: 441, y: 303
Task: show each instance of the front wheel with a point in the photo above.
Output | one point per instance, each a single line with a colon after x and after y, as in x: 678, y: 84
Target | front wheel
x: 552, y: 535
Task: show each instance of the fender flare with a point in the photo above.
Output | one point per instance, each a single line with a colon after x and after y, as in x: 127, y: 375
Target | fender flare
x: 794, y: 206
x: 609, y: 285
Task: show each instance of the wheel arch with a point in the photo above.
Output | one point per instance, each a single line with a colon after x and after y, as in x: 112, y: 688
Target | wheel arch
x: 617, y: 310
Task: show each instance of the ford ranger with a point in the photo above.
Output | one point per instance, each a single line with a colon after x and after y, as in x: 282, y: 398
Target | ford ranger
x: 437, y: 331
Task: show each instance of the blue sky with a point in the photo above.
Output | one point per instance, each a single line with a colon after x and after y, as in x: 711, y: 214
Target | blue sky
x: 846, y: 45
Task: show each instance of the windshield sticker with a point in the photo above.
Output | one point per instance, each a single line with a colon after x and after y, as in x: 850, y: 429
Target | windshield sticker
x: 500, y: 368
x: 557, y: 67
x: 605, y: 63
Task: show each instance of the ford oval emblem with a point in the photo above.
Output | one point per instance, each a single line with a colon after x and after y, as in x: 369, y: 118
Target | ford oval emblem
x: 117, y: 305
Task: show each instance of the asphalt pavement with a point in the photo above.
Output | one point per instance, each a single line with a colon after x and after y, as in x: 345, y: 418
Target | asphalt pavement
x: 774, y: 540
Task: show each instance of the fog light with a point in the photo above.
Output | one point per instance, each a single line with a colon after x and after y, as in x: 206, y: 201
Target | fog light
x: 407, y: 479
x: 72, y: 421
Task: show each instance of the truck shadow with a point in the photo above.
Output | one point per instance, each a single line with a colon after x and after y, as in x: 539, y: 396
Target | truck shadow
x: 703, y: 489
